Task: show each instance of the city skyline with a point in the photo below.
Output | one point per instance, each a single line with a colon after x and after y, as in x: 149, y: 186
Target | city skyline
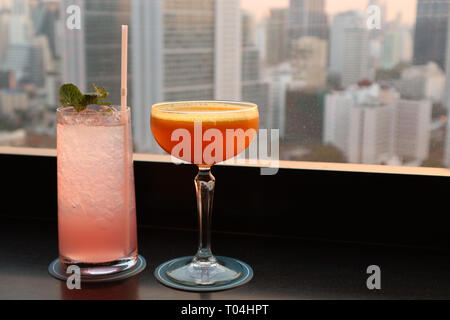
x: 407, y: 8
x: 290, y: 64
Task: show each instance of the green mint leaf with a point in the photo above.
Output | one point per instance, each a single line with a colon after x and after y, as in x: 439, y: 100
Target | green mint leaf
x: 71, y: 96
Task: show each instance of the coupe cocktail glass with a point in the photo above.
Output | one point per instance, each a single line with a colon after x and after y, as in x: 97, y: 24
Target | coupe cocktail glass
x: 231, y: 127
x: 96, y: 200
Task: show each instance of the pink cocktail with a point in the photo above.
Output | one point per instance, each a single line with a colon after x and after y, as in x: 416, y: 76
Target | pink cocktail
x: 96, y: 201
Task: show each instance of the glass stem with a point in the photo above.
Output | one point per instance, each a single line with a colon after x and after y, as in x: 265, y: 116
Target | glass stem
x: 204, y: 186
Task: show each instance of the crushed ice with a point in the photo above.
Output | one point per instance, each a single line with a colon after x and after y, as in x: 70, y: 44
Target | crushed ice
x: 91, y: 116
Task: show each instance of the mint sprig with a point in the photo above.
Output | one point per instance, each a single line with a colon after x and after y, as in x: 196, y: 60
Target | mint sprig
x: 71, y: 96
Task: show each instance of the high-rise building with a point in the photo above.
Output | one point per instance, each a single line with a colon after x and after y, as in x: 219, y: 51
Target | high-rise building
x: 373, y: 125
x: 253, y: 87
x: 228, y: 44
x: 102, y: 43
x: 396, y: 45
x: 44, y: 17
x: 279, y: 79
x: 309, y: 63
x: 93, y: 53
x: 248, y: 29
x: 17, y: 61
x: 4, y: 15
x: 72, y: 48
x: 188, y: 49
x: 36, y: 71
x: 182, y: 50
x: 349, y: 47
x: 19, y: 36
x: 307, y: 18
x: 412, y: 129
x: 40, y: 61
x: 422, y: 82
x: 341, y: 22
x: 356, y: 57
x: 360, y: 125
x: 430, y: 37
x: 19, y: 24
x: 147, y: 69
x: 277, y: 36
x: 261, y: 38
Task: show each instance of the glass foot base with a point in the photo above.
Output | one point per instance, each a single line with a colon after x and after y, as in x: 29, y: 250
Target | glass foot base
x: 219, y: 274
x: 119, y: 270
x: 100, y: 269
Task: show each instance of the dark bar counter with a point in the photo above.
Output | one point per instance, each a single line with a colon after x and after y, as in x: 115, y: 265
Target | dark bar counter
x: 285, y: 268
x: 308, y: 234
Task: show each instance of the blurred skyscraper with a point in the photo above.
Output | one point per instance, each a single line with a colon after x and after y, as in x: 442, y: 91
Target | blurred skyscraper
x: 228, y: 44
x: 102, y: 43
x: 349, y: 51
x: 19, y: 41
x: 147, y: 69
x: 72, y: 47
x: 372, y: 125
x: 254, y: 88
x: 248, y: 29
x: 44, y: 19
x: 4, y: 16
x: 19, y: 24
x: 277, y: 36
x: 430, y: 38
x: 279, y: 79
x: 307, y: 18
x: 182, y: 50
x: 396, y: 46
x: 412, y: 129
x: 92, y: 54
x: 422, y: 82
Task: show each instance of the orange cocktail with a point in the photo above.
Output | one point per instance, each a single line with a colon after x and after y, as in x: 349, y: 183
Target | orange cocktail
x: 204, y: 133
x: 229, y: 126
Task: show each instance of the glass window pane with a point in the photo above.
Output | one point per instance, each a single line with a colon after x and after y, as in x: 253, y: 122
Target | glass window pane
x: 361, y: 81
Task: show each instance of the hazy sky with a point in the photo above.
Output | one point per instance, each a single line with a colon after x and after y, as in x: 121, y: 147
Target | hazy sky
x: 406, y: 7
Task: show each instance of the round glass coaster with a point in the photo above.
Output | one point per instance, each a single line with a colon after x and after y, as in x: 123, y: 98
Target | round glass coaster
x: 245, y: 276
x: 56, y: 271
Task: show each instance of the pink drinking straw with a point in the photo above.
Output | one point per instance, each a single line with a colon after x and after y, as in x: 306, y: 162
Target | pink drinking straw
x: 124, y: 116
x: 124, y: 74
